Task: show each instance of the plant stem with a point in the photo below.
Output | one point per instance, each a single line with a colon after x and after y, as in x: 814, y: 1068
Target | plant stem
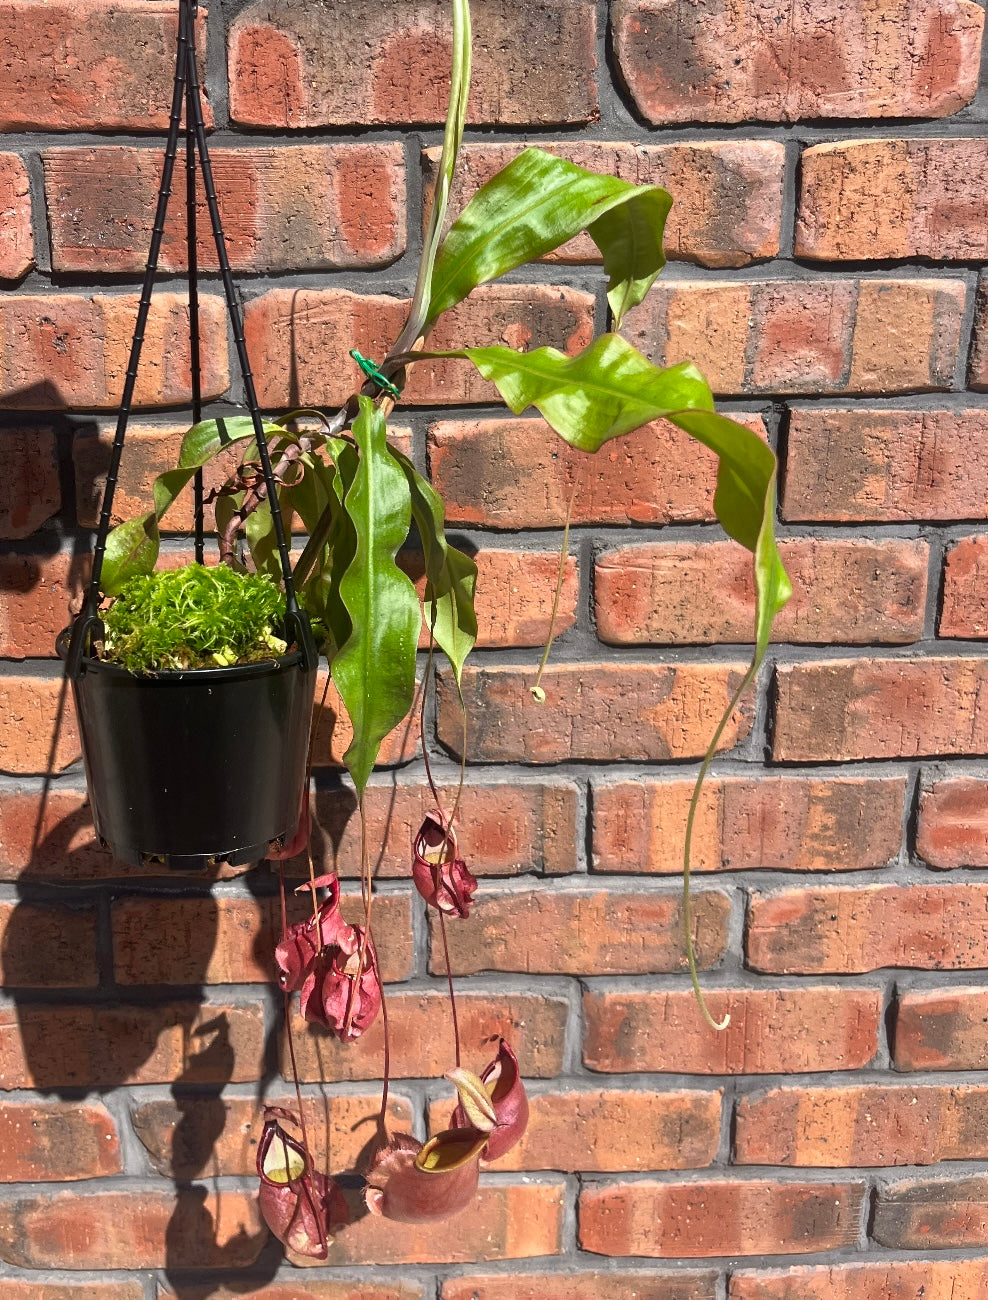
x: 382, y: 1123
x: 449, y: 981
x: 708, y: 757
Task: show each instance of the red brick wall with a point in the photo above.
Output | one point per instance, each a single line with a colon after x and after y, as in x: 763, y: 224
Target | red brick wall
x: 830, y: 171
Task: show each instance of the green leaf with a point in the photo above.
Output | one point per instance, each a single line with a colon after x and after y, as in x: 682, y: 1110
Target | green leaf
x: 375, y: 670
x: 610, y: 389
x: 451, y: 576
x: 538, y: 202
x: 132, y: 547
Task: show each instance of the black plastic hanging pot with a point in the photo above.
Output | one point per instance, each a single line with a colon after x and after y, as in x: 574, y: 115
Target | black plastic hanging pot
x: 186, y: 767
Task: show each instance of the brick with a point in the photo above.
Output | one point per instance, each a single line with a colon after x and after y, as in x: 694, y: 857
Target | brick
x: 102, y: 1290
x: 126, y: 1229
x: 839, y: 931
x: 509, y: 1220
x: 66, y: 350
x: 953, y: 823
x: 335, y: 1290
x: 879, y: 708
x: 232, y: 940
x: 806, y: 336
x: 90, y: 65
x: 718, y: 1217
x: 422, y: 1037
x: 29, y: 498
x: 51, y: 836
x: 944, y: 1029
x: 520, y: 474
x: 727, y: 208
x: 293, y: 208
x: 886, y: 466
x: 575, y: 930
x: 930, y: 1215
x: 925, y: 1279
x: 978, y: 370
x: 771, y: 1031
x: 46, y: 1142
x: 40, y: 733
x: 845, y: 591
x: 603, y: 1131
x: 191, y: 1136
x: 105, y: 1047
x: 595, y: 712
x: 964, y: 611
x: 299, y: 339
x: 774, y: 823
x: 625, y: 1285
x: 291, y: 65
x: 515, y: 591
x: 786, y: 60
x: 502, y: 830
x: 514, y: 595
x: 16, y: 234
x: 38, y: 591
x: 333, y: 731
x: 45, y: 946
x: 871, y: 1124
x: 861, y: 200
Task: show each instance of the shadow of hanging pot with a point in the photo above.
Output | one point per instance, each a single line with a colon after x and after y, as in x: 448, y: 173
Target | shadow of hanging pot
x: 184, y: 767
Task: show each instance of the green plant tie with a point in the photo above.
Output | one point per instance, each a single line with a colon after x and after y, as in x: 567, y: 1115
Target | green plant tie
x: 373, y: 371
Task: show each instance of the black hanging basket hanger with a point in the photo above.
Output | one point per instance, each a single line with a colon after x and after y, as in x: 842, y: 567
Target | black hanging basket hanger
x: 185, y: 767
x: 188, y: 93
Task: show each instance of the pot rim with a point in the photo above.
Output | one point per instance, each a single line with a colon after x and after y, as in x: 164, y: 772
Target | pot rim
x: 183, y: 676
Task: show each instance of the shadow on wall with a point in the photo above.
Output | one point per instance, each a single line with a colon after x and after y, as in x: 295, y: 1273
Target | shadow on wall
x: 108, y: 969
x: 86, y: 1027
x: 85, y: 1030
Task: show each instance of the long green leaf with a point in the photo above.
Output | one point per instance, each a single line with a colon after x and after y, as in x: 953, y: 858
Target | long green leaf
x: 610, y: 389
x: 451, y: 575
x: 538, y: 202
x: 132, y: 547
x: 375, y: 670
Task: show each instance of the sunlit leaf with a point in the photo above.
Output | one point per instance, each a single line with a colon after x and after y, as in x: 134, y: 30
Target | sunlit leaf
x: 535, y: 204
x: 610, y: 389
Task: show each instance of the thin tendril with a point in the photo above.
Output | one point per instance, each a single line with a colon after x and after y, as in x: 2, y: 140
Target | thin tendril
x: 536, y: 688
x: 288, y: 1027
x: 446, y: 848
x: 308, y: 848
x: 382, y: 1122
x: 449, y: 981
x: 425, y: 696
x: 425, y: 751
x: 367, y: 899
x: 708, y: 757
